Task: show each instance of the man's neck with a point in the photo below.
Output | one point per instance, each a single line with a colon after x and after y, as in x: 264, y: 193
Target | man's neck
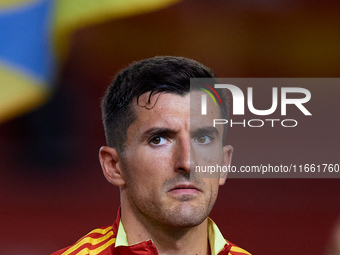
x: 168, y: 240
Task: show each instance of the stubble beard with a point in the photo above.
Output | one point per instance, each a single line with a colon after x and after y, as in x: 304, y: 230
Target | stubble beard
x: 168, y: 212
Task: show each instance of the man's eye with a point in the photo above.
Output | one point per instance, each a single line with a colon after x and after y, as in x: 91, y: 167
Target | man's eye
x: 204, y: 139
x: 158, y: 140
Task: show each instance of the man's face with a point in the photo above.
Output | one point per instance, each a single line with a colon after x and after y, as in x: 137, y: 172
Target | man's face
x: 158, y: 165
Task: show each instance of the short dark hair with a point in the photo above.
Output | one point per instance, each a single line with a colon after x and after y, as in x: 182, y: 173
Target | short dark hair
x: 155, y: 75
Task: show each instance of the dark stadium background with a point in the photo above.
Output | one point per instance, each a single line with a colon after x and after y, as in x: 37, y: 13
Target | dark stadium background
x: 52, y: 190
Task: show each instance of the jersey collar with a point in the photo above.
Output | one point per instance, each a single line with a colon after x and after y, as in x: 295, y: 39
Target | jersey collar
x: 216, y: 239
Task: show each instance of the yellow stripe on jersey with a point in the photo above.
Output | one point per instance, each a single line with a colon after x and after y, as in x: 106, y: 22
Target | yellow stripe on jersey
x: 240, y: 250
x: 85, y: 251
x: 93, y: 241
x: 100, y: 230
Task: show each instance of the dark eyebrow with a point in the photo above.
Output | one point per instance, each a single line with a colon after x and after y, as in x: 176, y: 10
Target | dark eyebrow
x: 156, y: 131
x: 205, y: 130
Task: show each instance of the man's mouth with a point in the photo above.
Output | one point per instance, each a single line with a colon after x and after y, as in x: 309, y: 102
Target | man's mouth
x: 184, y: 188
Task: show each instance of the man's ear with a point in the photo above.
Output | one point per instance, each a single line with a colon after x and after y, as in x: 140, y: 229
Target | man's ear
x: 227, y: 155
x: 109, y: 160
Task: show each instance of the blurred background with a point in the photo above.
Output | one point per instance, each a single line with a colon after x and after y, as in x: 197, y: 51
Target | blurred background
x: 58, y: 57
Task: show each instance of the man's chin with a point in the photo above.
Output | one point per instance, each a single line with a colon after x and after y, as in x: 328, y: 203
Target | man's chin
x: 184, y: 222
x: 186, y: 216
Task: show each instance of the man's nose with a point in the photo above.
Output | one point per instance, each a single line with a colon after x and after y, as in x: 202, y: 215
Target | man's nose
x: 183, y: 156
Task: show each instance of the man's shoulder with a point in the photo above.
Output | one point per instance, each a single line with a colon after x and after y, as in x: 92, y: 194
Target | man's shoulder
x: 219, y: 245
x: 235, y: 250
x: 97, y: 241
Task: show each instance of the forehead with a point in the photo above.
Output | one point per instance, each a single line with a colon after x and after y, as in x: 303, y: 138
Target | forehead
x: 167, y: 109
x: 163, y: 108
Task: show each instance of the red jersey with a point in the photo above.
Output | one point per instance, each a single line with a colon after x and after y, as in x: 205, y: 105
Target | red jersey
x: 112, y: 240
